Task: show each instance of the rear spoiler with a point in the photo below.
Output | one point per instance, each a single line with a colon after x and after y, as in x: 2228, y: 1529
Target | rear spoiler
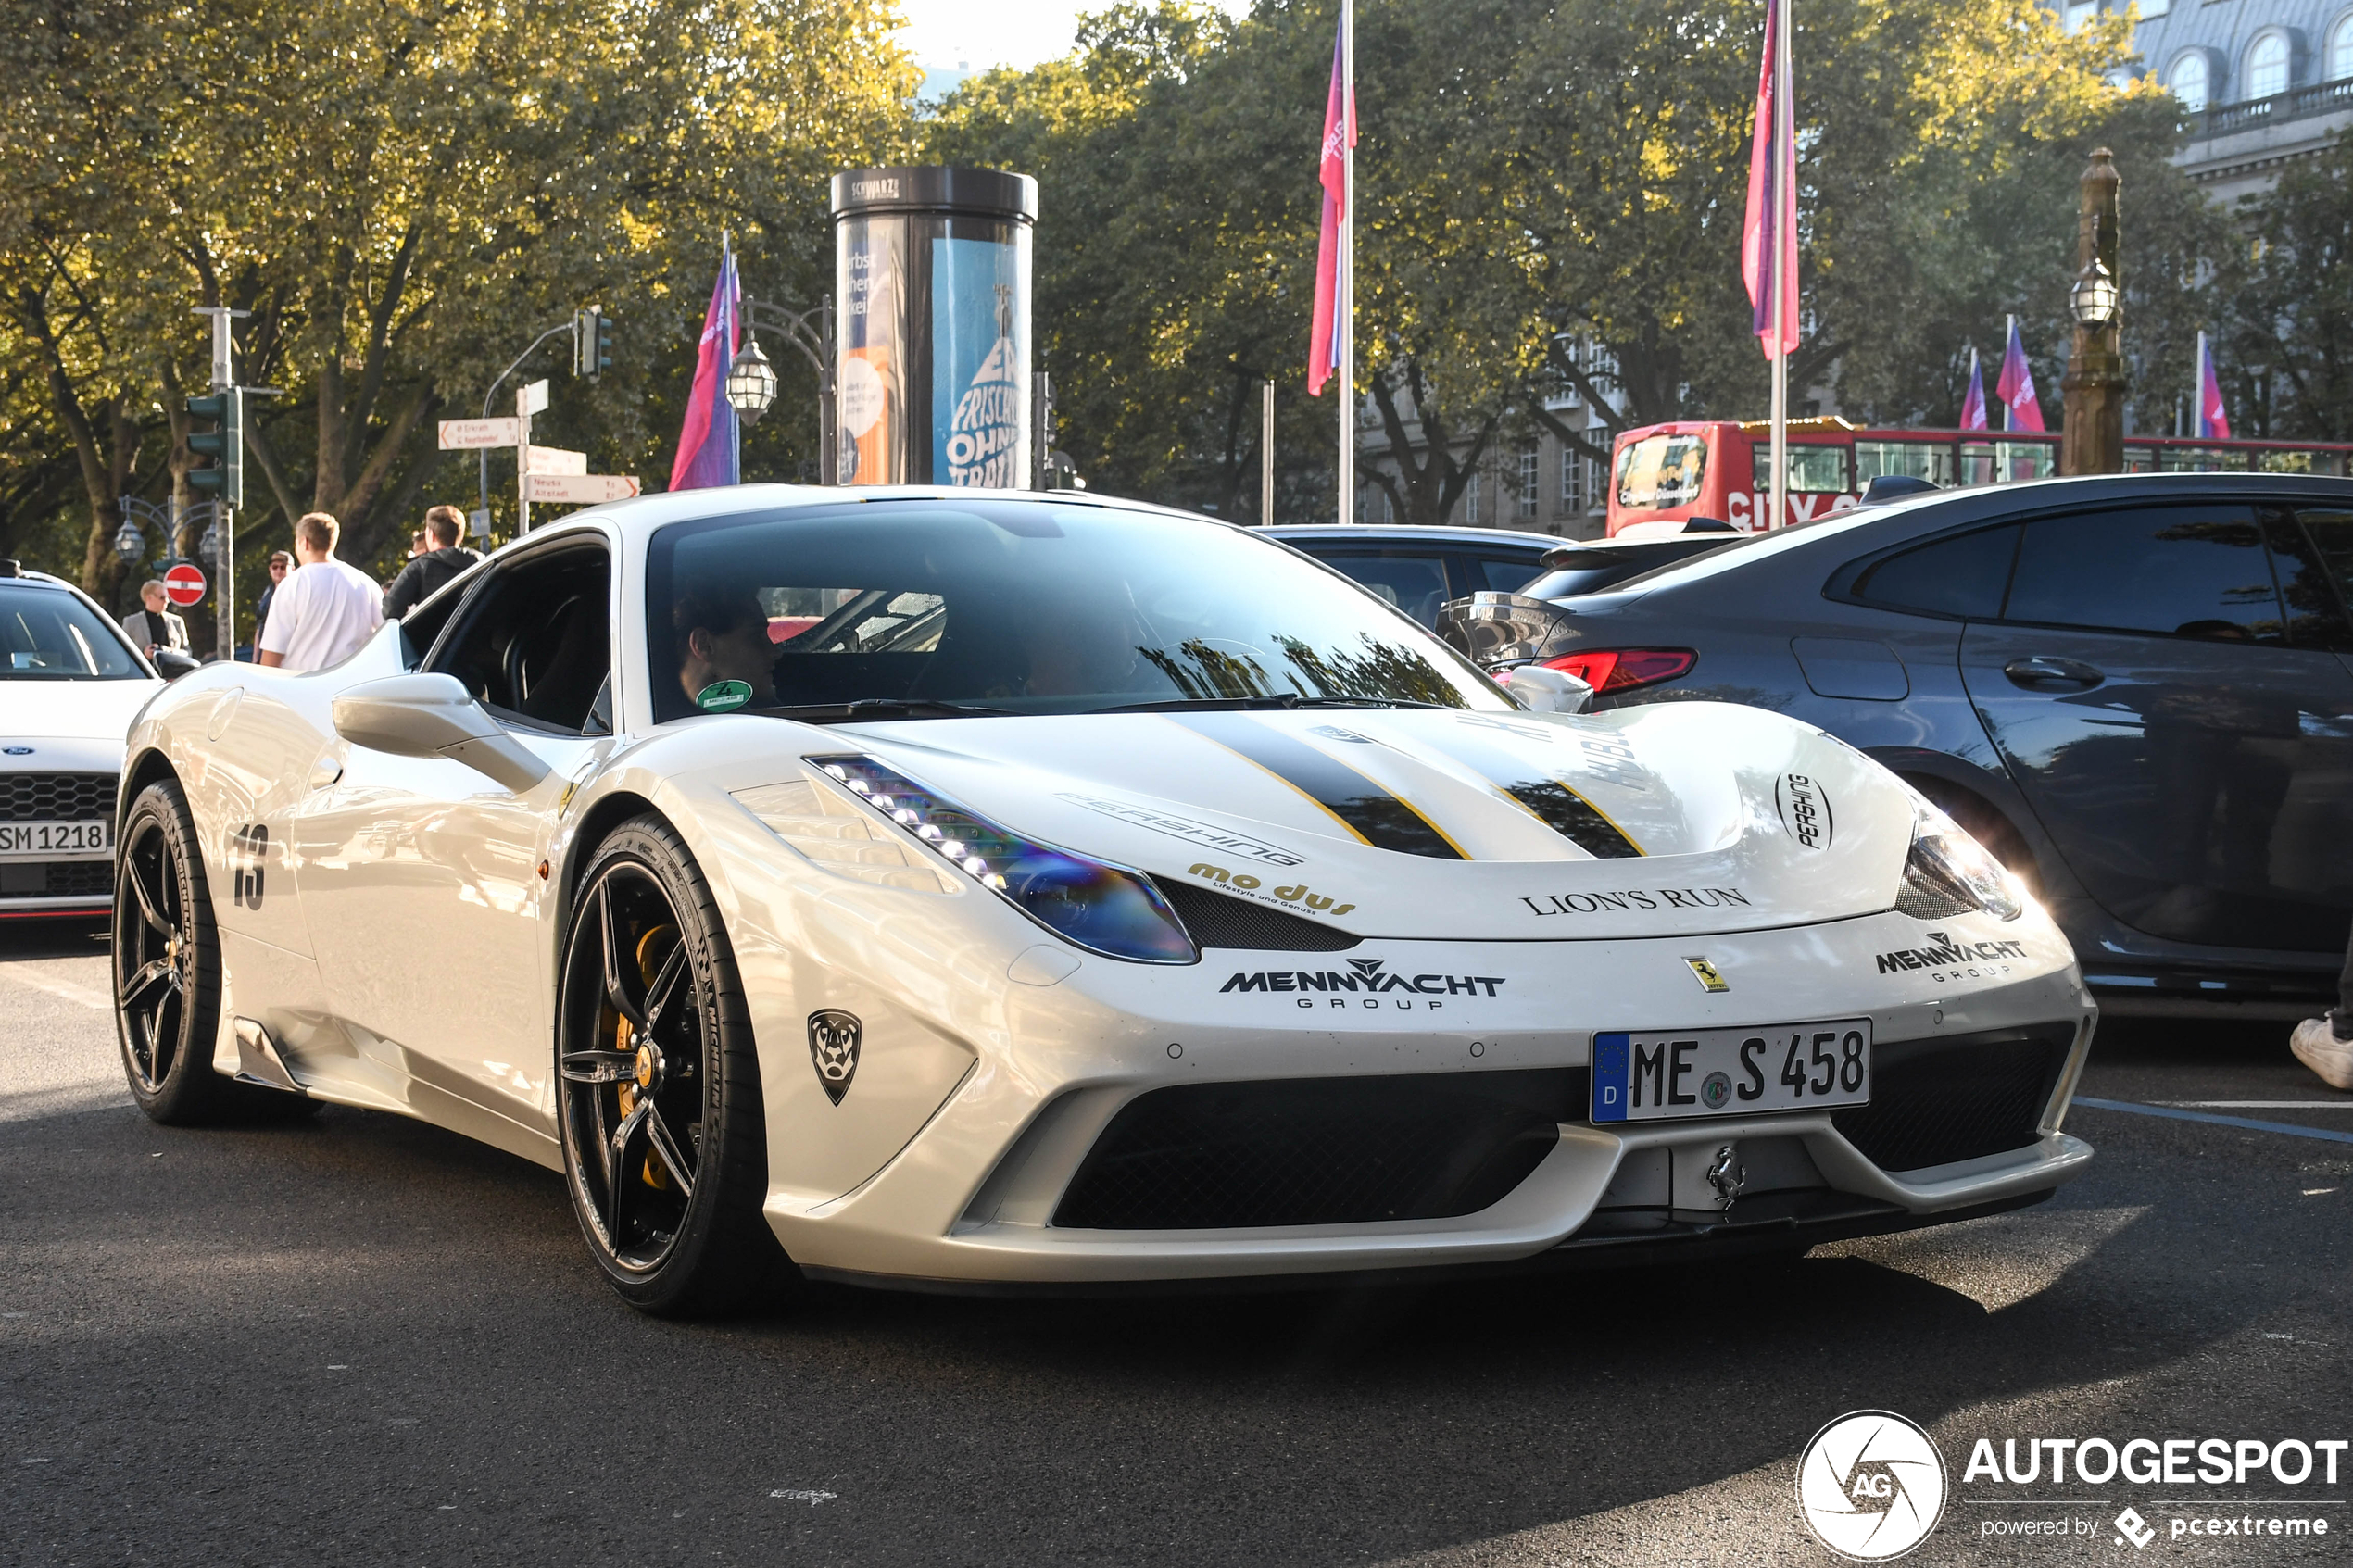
x: 1494, y: 630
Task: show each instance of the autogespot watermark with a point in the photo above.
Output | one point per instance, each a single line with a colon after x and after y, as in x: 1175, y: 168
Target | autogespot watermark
x: 1873, y: 1485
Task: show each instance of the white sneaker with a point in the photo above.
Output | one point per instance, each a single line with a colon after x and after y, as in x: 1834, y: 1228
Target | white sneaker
x: 2317, y: 1046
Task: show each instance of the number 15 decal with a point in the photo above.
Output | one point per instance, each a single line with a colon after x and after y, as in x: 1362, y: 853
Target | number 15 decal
x: 249, y: 852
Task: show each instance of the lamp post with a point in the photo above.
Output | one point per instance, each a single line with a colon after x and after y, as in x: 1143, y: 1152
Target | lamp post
x: 2093, y: 441
x: 751, y: 379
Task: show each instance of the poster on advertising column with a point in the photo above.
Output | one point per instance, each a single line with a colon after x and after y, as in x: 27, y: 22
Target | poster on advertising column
x: 871, y: 394
x: 980, y: 364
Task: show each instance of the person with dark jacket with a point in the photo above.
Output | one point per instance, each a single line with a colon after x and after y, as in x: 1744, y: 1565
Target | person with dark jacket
x: 424, y: 574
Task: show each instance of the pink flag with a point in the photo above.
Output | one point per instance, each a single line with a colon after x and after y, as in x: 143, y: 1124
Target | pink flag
x: 1973, y: 400
x: 1339, y: 132
x: 2016, y: 386
x: 2213, y: 423
x: 1768, y: 230
x: 709, y: 444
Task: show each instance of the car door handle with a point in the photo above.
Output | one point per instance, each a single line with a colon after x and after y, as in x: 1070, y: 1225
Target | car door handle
x: 2043, y: 673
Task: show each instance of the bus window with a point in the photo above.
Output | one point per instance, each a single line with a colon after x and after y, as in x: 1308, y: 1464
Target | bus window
x: 1661, y: 471
x: 2006, y: 462
x: 1814, y: 468
x: 1931, y: 460
x: 2200, y: 459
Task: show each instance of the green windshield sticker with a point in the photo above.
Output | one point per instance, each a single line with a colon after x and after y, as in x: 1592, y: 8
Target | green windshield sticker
x: 722, y: 696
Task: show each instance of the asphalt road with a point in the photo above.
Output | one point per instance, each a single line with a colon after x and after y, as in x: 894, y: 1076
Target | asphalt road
x: 361, y: 1340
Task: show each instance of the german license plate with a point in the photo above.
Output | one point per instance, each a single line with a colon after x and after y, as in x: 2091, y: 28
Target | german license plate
x: 46, y: 841
x: 1658, y: 1074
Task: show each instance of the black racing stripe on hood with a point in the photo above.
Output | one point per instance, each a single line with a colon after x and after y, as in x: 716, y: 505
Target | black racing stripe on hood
x: 1381, y: 819
x: 1553, y: 801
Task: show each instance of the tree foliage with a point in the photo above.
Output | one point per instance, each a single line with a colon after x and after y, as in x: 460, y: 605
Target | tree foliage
x: 403, y: 195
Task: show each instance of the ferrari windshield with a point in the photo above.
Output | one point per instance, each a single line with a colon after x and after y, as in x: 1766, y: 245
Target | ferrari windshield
x: 47, y: 634
x: 923, y: 608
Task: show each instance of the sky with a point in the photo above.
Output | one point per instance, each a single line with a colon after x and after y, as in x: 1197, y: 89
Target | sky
x: 977, y: 35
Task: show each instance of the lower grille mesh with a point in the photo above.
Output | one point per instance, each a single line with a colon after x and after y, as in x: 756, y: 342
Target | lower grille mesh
x: 57, y: 879
x: 1935, y: 1101
x: 1320, y: 1151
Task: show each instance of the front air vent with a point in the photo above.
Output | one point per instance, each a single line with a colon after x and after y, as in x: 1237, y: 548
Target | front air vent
x: 1217, y: 921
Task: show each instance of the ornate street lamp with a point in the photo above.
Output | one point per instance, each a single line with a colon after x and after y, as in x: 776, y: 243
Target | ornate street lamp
x: 2093, y: 438
x: 130, y: 543
x: 752, y: 381
x: 2094, y: 297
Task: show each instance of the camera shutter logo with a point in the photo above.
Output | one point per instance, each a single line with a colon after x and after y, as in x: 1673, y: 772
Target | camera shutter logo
x: 833, y: 1048
x: 1871, y: 1485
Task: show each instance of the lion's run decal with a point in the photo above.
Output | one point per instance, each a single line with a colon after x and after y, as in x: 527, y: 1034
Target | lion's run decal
x: 833, y: 1048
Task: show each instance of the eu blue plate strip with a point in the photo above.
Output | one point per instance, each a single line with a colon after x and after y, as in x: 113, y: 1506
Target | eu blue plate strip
x: 1609, y: 1077
x: 2170, y: 1114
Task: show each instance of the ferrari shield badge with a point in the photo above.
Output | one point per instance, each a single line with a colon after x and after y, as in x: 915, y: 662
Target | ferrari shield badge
x: 722, y: 696
x: 1705, y: 974
x: 833, y: 1047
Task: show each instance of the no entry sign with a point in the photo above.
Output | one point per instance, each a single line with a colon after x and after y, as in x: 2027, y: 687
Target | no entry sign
x: 183, y: 585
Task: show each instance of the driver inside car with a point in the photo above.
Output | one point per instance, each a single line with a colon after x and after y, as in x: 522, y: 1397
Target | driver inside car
x: 722, y: 637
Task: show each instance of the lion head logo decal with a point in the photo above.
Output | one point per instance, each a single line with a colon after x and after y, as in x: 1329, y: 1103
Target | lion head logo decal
x: 833, y: 1047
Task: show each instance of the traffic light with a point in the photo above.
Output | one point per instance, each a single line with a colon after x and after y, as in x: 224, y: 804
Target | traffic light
x: 223, y: 443
x: 591, y: 342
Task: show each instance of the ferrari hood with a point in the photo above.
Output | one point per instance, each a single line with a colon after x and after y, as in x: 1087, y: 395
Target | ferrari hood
x: 1408, y: 822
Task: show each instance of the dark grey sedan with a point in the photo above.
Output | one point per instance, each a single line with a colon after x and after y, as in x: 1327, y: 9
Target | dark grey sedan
x: 2136, y: 689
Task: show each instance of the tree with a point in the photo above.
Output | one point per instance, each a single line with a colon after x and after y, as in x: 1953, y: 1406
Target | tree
x: 2288, y: 346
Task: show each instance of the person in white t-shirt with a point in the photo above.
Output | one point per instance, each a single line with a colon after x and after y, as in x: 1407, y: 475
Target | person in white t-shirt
x: 325, y: 609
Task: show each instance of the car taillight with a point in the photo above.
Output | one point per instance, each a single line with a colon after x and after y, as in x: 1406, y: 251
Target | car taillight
x: 1609, y: 670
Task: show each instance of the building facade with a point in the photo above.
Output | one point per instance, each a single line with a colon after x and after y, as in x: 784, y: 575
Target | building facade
x: 2267, y: 81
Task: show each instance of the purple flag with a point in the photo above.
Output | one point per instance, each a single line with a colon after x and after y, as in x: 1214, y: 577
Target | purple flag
x: 2016, y: 386
x: 2213, y: 423
x: 1973, y: 400
x: 710, y: 444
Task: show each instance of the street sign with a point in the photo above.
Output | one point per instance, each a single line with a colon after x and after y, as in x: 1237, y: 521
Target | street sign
x: 531, y: 400
x: 461, y: 436
x: 183, y: 585
x: 557, y: 459
x: 479, y: 522
x: 578, y: 488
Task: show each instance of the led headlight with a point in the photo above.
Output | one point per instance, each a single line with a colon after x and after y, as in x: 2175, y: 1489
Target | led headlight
x: 1103, y: 908
x: 1950, y: 873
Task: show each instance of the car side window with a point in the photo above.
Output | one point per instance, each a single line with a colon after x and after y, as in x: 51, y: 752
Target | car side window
x: 2308, y: 586
x: 1501, y: 574
x: 1416, y: 585
x: 535, y: 643
x: 2329, y: 530
x: 1962, y: 576
x: 2183, y: 571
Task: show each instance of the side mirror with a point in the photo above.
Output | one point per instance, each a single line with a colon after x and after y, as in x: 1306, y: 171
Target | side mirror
x: 171, y: 663
x: 434, y: 715
x: 1541, y: 690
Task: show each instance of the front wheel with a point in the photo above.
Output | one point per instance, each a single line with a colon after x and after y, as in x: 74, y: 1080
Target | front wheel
x: 661, y: 1109
x: 167, y: 966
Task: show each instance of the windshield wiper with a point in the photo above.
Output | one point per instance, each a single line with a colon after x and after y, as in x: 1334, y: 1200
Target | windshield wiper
x: 878, y: 708
x: 1279, y: 699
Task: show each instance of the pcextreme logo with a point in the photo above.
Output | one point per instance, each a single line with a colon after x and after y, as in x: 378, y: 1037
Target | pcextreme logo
x: 1871, y: 1485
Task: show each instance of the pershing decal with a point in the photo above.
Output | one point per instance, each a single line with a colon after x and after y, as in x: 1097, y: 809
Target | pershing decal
x: 1636, y: 898
x: 1805, y: 808
x: 1945, y: 953
x: 1294, y: 895
x: 833, y: 1049
x: 1232, y: 844
x: 1365, y: 985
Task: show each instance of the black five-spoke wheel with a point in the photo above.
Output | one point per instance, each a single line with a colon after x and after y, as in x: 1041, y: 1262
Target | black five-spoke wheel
x: 658, y: 1090
x: 167, y: 964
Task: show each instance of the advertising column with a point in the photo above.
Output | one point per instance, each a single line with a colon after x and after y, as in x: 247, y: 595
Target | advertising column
x: 933, y: 271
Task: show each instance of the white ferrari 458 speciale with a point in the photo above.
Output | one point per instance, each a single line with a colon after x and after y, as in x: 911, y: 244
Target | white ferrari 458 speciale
x: 969, y: 890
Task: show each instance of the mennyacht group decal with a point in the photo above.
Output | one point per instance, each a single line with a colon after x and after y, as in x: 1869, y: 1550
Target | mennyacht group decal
x: 1873, y: 1486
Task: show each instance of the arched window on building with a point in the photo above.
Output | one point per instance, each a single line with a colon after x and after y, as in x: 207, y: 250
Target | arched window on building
x: 2340, y: 50
x: 2188, y: 81
x: 2267, y: 67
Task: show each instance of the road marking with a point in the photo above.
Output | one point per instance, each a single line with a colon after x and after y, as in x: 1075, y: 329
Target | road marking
x: 2171, y: 1115
x: 2265, y: 1104
x: 65, y: 989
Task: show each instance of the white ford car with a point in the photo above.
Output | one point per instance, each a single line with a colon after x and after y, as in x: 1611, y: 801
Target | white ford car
x: 984, y: 890
x: 70, y: 685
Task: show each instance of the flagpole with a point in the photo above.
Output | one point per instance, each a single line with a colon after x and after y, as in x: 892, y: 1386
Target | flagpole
x: 1346, y: 288
x: 2197, y: 389
x: 1784, y: 166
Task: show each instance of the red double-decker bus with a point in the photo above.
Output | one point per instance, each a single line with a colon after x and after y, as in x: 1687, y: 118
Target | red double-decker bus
x: 1722, y: 468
